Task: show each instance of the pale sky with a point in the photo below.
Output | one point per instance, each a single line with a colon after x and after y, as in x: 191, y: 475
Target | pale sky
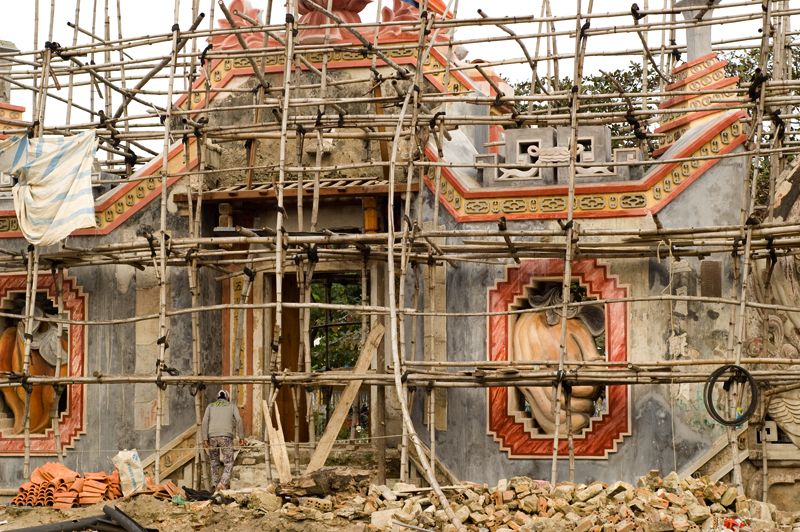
x: 149, y: 17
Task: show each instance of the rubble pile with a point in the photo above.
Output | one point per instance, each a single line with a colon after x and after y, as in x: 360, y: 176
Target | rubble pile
x: 654, y: 504
x: 58, y: 486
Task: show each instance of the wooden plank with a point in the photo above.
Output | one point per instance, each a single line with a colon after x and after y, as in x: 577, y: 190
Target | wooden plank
x: 290, y: 193
x: 174, y: 454
x: 345, y: 401
x: 277, y: 445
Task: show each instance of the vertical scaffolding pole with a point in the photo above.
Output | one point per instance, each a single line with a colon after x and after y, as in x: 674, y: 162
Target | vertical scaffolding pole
x: 58, y: 281
x: 162, y: 265
x: 30, y: 305
x: 571, y: 232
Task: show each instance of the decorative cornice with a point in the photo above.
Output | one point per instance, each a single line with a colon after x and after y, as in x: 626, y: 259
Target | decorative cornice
x: 715, y: 132
x: 596, y: 200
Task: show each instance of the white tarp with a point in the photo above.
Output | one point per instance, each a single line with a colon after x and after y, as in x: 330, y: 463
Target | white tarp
x: 53, y: 197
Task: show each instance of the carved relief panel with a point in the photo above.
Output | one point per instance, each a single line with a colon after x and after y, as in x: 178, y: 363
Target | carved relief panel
x: 52, y: 346
x: 522, y: 419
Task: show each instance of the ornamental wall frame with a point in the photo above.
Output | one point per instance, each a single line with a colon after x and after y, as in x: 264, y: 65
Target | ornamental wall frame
x: 606, y: 431
x: 72, y: 422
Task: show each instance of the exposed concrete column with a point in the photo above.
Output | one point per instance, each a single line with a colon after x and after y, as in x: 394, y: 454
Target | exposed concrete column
x: 698, y: 37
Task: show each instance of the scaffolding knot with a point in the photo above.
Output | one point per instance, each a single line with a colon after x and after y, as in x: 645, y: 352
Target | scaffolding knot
x: 203, y: 54
x: 676, y: 54
x: 163, y: 340
x: 196, y: 387
x: 436, y: 119
x: 53, y: 47
x: 736, y: 243
x: 198, y: 127
x: 560, y: 376
x: 635, y: 12
x: 313, y: 254
x: 585, y: 28
x: 754, y: 90
x: 190, y: 254
x: 364, y: 249
x: 516, y: 117
x: 168, y: 369
x: 27, y: 336
x: 778, y: 124
x: 130, y: 157
x: 175, y: 27
x: 773, y: 255
x: 32, y: 129
x: 404, y: 377
x: 565, y: 226
x: 249, y: 273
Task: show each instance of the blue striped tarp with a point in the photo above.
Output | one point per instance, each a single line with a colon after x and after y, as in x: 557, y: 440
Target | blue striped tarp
x: 53, y: 197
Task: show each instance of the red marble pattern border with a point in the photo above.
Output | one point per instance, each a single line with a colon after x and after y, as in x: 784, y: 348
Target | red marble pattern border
x: 71, y: 424
x: 604, y: 432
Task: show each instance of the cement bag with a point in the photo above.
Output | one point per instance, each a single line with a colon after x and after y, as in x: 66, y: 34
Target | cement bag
x: 131, y: 472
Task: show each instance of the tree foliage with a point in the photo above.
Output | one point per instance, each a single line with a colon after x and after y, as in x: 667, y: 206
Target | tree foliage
x: 335, y: 334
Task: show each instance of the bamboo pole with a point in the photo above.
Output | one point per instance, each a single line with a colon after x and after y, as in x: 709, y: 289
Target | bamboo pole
x: 30, y: 305
x: 58, y: 282
x: 393, y: 327
x: 566, y: 283
x: 162, y: 251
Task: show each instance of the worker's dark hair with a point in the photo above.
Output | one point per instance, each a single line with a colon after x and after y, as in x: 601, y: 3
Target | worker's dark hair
x: 223, y: 395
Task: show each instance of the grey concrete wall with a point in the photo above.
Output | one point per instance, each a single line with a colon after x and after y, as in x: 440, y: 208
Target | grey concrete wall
x: 669, y: 425
x: 111, y: 350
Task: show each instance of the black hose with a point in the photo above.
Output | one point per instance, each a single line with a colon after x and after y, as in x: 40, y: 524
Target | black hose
x: 740, y: 375
x: 122, y: 519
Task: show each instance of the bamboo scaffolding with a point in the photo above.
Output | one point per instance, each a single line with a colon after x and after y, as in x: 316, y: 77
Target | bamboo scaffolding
x: 404, y: 118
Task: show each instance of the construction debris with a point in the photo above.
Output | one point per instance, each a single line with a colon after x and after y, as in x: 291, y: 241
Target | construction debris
x: 521, y: 503
x: 652, y: 504
x: 327, y: 480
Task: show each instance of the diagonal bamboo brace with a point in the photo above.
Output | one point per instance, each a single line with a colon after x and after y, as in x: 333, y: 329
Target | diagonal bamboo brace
x: 343, y: 406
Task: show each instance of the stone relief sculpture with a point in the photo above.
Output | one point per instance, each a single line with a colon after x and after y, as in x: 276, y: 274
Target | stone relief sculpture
x: 777, y: 334
x: 45, y: 346
x: 537, y: 335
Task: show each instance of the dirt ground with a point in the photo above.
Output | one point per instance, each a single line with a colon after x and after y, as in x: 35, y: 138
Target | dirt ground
x: 168, y: 517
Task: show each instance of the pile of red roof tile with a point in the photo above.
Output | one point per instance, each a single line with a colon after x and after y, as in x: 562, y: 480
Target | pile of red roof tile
x: 58, y: 486
x: 163, y: 491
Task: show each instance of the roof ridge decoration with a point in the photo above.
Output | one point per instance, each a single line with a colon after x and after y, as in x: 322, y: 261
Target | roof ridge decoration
x: 230, y: 42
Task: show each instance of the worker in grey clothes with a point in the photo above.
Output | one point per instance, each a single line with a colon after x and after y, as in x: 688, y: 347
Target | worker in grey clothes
x: 221, y: 423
